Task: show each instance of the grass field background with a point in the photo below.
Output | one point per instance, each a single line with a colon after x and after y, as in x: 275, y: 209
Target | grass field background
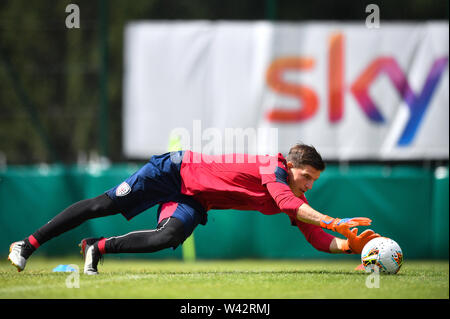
x: 224, y: 279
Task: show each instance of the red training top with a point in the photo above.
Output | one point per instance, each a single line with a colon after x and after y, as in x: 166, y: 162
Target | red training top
x: 246, y: 182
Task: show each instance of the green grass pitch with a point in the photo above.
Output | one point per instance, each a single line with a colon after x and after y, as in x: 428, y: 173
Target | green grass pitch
x: 230, y: 279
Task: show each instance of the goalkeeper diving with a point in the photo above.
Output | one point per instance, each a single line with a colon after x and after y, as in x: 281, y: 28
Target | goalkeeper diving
x: 186, y: 185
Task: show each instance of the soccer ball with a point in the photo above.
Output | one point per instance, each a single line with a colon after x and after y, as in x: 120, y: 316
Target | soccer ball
x: 382, y: 254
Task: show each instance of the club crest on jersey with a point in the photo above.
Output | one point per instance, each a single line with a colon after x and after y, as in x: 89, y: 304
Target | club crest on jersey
x: 123, y: 189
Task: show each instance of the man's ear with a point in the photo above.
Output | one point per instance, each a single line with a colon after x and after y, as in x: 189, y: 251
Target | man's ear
x: 289, y: 165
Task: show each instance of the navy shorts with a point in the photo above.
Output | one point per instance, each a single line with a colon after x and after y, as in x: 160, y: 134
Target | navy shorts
x: 158, y: 182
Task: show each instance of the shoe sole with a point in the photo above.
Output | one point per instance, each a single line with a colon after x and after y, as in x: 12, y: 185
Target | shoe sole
x: 82, y: 246
x: 12, y: 263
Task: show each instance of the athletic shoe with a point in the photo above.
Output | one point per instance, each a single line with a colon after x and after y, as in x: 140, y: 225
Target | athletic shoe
x: 16, y: 252
x: 91, y: 255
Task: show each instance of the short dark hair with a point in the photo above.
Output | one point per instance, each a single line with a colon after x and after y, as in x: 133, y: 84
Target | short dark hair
x: 302, y: 154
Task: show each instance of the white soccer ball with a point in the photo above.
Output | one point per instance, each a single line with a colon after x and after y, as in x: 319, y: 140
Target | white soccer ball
x: 382, y: 254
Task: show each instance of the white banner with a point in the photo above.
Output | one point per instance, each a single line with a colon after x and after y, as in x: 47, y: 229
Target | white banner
x: 351, y: 91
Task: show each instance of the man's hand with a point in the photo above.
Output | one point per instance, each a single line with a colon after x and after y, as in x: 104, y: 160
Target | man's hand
x: 354, y: 243
x: 342, y: 226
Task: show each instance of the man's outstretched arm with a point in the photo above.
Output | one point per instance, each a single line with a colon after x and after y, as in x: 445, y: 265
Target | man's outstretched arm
x: 353, y: 244
x: 328, y: 243
x: 309, y: 215
x: 299, y: 209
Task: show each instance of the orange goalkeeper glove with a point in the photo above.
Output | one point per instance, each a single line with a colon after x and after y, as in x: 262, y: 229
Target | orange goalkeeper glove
x: 355, y: 244
x: 342, y: 226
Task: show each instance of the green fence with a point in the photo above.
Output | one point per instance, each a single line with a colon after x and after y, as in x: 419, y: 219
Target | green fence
x: 407, y: 203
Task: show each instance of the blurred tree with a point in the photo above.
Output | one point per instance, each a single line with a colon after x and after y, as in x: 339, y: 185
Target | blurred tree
x: 58, y: 70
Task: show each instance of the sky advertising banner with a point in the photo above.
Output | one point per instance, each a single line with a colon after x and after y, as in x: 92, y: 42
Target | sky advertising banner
x: 355, y: 93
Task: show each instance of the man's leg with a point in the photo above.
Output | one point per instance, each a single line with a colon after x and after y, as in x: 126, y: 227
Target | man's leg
x: 176, y: 221
x: 73, y: 216
x: 169, y: 233
x: 68, y: 219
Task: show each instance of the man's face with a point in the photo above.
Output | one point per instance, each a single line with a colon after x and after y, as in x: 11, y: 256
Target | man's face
x: 301, y: 179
